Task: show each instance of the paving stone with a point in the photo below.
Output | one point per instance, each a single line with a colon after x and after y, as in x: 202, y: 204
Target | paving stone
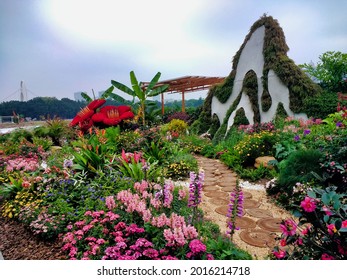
x: 259, y: 213
x: 216, y: 194
x: 245, y: 222
x: 258, y: 238
x: 270, y: 224
x: 250, y: 203
x: 210, y: 188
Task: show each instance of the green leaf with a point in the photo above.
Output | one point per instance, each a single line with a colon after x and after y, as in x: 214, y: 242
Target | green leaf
x: 344, y: 229
x: 107, y: 92
x: 297, y: 213
x: 158, y: 90
x: 86, y: 97
x: 338, y: 224
x: 326, y: 218
x: 136, y: 86
x: 326, y: 198
x: 123, y: 88
x: 117, y: 97
x: 152, y: 83
x: 311, y: 194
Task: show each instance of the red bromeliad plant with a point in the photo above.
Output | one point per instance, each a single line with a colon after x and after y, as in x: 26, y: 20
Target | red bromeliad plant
x: 108, y: 115
x: 112, y: 115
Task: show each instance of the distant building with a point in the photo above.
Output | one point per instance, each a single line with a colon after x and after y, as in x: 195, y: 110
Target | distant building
x: 78, y: 96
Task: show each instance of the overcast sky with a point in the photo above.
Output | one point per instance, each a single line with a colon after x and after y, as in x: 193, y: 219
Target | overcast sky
x: 58, y: 47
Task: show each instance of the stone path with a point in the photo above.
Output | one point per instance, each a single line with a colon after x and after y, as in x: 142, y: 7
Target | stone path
x: 260, y: 223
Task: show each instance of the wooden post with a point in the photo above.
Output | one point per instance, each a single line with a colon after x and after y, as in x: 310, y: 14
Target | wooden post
x: 183, y: 102
x: 162, y: 104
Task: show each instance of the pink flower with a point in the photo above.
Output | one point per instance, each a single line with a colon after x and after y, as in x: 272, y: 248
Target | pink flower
x: 288, y: 227
x: 327, y: 257
x: 110, y: 203
x: 196, y: 246
x: 308, y: 204
x: 331, y: 229
x: 181, y: 194
x: 306, y: 230
x: 327, y: 211
x: 344, y: 224
x: 279, y: 254
x: 26, y: 184
x: 283, y: 242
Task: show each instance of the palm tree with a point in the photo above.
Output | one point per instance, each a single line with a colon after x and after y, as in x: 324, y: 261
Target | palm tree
x: 139, y: 91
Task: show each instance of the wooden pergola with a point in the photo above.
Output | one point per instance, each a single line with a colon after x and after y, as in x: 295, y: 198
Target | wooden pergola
x: 186, y: 84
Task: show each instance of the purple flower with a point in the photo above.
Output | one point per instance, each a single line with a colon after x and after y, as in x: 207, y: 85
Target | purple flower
x: 307, y: 131
x: 338, y: 124
x: 296, y: 138
x: 235, y: 209
x: 195, y: 189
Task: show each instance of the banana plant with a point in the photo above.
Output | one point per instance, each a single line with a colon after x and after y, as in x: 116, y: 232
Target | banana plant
x: 104, y: 95
x: 139, y: 91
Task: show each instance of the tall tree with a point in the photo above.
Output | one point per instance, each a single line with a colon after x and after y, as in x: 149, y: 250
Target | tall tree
x: 330, y: 71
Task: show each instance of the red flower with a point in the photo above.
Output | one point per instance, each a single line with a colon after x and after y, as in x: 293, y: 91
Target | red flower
x: 113, y: 115
x: 86, y: 112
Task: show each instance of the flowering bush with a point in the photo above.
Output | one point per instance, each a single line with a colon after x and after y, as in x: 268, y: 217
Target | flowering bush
x: 255, y: 145
x: 322, y: 229
x: 257, y: 127
x: 23, y: 199
x: 132, y: 228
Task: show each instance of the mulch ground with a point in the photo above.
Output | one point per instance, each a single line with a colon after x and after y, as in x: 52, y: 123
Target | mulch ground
x: 18, y: 243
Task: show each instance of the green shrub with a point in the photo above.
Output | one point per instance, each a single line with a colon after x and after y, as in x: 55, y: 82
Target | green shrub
x: 255, y: 145
x: 320, y: 106
x: 298, y: 167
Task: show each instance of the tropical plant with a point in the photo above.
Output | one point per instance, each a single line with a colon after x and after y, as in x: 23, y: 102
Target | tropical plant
x: 140, y: 91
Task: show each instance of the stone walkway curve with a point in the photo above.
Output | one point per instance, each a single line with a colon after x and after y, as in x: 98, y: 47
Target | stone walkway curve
x: 260, y: 223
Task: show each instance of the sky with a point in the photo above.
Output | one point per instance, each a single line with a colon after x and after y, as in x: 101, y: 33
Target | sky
x: 58, y: 47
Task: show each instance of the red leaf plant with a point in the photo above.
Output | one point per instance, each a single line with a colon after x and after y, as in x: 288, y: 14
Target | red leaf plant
x: 112, y: 115
x: 83, y: 116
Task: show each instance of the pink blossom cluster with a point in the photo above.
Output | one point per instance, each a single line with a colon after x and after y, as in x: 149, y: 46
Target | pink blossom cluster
x: 22, y: 163
x: 102, y: 236
x: 178, y: 233
x: 45, y: 224
x: 133, y: 157
x: 197, y: 248
x: 257, y: 127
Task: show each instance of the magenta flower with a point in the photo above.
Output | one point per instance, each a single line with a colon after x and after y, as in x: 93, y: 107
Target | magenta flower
x: 331, y: 229
x: 288, y: 227
x: 344, y: 224
x: 327, y: 257
x: 308, y: 204
x: 196, y: 246
x: 279, y: 254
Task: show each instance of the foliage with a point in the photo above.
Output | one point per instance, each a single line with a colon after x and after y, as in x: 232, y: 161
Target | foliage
x: 180, y: 165
x: 175, y: 128
x: 298, y: 167
x: 224, y: 249
x: 183, y: 116
x: 320, y: 106
x: 255, y: 145
x: 137, y: 91
x: 330, y: 71
x: 323, y: 228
